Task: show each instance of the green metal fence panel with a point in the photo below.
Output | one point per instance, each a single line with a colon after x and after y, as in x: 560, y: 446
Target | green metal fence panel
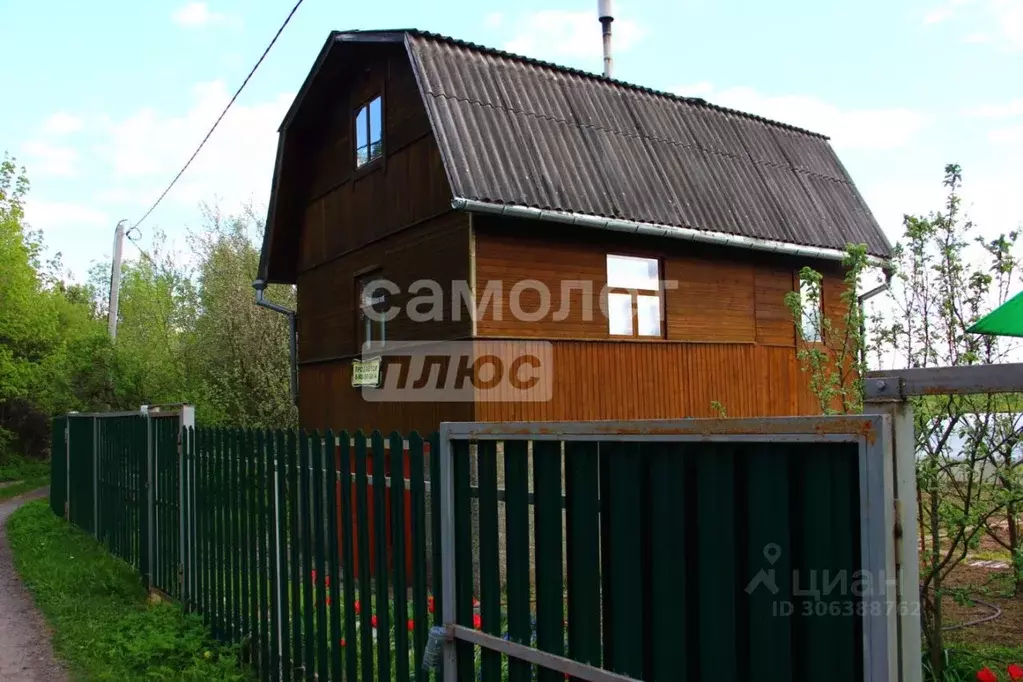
x: 245, y: 540
x: 294, y: 547
x: 281, y: 642
x: 81, y: 476
x: 365, y: 645
x: 307, y: 444
x: 669, y: 492
x: 463, y: 551
x: 516, y: 483
x: 716, y: 519
x: 550, y: 613
x: 435, y: 514
x: 622, y: 497
x: 334, y: 576
x: 351, y: 647
x: 417, y: 496
x: 489, y: 558
x: 319, y: 521
x: 582, y: 523
x: 396, y: 467
x: 379, y: 530
x: 58, y: 466
x: 769, y: 515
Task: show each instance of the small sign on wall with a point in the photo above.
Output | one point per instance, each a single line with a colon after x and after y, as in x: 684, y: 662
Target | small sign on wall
x: 366, y: 373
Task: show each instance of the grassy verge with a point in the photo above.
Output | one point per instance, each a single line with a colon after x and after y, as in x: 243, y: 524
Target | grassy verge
x: 104, y: 626
x: 26, y: 486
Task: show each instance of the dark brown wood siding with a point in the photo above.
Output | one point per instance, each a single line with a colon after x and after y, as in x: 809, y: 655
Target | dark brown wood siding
x: 329, y: 401
x: 437, y: 249
x: 345, y: 207
x: 729, y: 338
x: 391, y: 218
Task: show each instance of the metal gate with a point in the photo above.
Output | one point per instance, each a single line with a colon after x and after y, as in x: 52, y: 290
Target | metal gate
x: 692, y: 549
x: 117, y: 475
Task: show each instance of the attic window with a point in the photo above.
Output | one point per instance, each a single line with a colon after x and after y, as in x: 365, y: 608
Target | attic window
x: 369, y: 145
x: 633, y: 296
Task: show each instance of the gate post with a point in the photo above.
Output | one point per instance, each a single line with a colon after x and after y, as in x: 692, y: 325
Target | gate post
x: 147, y: 552
x: 907, y: 566
x: 186, y: 422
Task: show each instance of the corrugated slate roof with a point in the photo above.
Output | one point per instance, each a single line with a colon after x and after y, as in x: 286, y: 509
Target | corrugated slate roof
x: 513, y: 130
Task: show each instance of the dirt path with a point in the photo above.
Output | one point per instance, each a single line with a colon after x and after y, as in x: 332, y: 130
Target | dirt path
x: 25, y: 651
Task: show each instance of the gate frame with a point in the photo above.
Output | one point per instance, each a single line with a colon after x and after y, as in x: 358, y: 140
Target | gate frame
x: 873, y: 434
x: 888, y: 392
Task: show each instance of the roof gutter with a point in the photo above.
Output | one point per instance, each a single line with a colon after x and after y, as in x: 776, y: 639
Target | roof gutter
x: 654, y: 229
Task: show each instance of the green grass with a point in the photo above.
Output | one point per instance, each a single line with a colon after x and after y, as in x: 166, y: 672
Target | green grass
x: 18, y: 468
x: 104, y: 626
x: 25, y: 486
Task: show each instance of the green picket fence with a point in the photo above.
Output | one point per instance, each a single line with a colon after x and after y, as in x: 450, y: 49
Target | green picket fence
x: 323, y: 555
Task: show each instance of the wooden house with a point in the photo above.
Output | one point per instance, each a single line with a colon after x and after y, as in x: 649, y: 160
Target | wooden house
x: 410, y: 156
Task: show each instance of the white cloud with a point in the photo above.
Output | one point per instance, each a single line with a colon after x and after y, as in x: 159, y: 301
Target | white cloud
x: 877, y: 129
x: 57, y: 215
x: 1000, y: 22
x: 996, y: 111
x: 197, y: 14
x: 1007, y: 135
x: 45, y: 159
x: 148, y: 148
x: 493, y: 20
x: 944, y: 12
x: 61, y: 123
x: 555, y: 33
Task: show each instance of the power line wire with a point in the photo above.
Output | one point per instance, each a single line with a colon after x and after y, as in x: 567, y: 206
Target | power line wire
x: 217, y: 122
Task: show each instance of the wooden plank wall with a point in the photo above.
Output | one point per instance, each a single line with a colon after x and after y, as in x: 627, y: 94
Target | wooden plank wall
x: 729, y: 337
x: 636, y: 380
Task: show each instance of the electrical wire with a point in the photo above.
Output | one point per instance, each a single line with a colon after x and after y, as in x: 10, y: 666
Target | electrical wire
x: 217, y: 122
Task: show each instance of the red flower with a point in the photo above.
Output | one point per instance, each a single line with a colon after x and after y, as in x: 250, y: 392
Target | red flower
x: 411, y: 625
x: 326, y: 581
x: 429, y: 604
x: 342, y: 642
x: 358, y: 607
x: 475, y: 601
x: 985, y: 675
x: 328, y: 600
x: 373, y: 620
x: 477, y: 622
x: 1015, y: 672
x: 314, y: 576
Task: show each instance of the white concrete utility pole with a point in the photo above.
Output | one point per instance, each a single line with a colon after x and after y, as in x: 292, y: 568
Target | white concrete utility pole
x: 115, y: 280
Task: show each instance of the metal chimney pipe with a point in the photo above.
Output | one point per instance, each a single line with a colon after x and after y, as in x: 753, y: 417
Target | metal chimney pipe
x: 606, y: 16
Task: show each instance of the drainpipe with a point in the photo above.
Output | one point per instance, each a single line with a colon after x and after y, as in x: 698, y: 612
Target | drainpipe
x: 260, y: 286
x: 863, y: 298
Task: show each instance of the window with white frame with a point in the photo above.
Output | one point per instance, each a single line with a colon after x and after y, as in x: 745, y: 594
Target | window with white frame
x: 373, y: 306
x: 369, y: 144
x: 634, y: 296
x: 810, y: 301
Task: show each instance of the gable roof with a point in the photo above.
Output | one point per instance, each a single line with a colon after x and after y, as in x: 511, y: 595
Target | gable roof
x: 518, y: 132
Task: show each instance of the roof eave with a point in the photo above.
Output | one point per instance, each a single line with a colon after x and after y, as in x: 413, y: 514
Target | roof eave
x: 659, y: 230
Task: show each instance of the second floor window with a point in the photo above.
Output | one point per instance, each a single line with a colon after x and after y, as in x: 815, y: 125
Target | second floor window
x: 369, y: 143
x: 633, y: 296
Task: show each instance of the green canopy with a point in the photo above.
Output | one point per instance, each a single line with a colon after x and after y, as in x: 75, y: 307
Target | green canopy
x: 1005, y: 320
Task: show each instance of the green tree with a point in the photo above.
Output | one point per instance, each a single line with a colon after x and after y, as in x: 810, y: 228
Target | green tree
x: 238, y: 358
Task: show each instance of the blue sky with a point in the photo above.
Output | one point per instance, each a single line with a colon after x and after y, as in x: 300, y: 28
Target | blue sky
x: 105, y: 101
